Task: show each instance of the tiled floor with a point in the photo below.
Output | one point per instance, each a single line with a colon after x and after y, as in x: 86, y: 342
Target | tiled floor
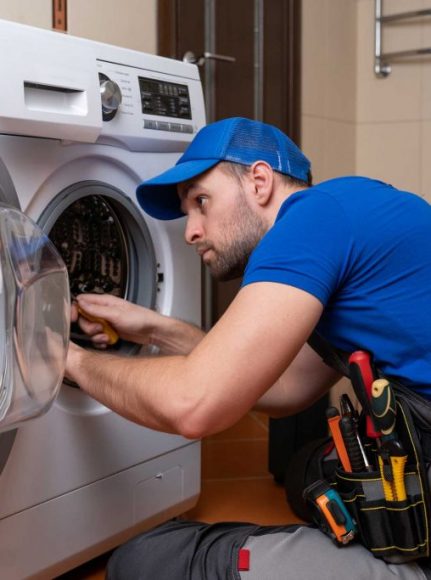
x: 236, y: 485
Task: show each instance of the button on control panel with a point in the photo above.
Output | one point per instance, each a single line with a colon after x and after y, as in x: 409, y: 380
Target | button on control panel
x: 165, y: 126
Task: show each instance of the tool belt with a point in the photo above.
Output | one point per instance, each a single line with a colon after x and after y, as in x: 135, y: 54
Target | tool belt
x: 388, y: 502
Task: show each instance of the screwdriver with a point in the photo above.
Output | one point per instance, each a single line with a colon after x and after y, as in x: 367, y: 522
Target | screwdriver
x: 362, y: 377
x: 353, y: 449
x: 347, y: 410
x: 392, y: 456
x: 333, y: 417
x: 107, y: 328
x: 384, y: 408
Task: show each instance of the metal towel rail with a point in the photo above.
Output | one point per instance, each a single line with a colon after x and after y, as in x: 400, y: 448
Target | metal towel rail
x: 382, y: 68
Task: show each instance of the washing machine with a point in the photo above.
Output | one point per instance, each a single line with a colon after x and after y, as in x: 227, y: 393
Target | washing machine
x: 81, y: 124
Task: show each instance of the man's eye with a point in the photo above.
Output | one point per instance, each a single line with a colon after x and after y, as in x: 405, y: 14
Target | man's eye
x: 201, y: 200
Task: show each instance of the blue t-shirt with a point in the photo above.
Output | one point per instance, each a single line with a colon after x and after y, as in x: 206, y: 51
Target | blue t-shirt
x: 363, y: 248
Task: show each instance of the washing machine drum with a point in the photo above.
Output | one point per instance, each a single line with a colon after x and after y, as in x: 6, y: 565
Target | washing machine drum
x: 34, y: 319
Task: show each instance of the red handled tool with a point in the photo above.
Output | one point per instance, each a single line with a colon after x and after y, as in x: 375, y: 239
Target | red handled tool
x: 362, y: 377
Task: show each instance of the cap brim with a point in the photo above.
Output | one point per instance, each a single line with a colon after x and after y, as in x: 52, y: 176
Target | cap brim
x: 158, y: 197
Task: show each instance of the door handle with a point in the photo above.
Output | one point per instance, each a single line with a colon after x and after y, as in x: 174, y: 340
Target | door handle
x: 190, y: 57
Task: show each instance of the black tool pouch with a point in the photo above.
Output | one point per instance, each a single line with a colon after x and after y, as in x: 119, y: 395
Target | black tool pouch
x: 396, y: 531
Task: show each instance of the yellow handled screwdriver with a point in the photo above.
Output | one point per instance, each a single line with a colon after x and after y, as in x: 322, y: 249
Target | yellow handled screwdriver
x: 107, y: 328
x: 392, y: 456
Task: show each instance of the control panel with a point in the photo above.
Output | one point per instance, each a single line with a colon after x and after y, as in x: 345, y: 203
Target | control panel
x: 139, y: 104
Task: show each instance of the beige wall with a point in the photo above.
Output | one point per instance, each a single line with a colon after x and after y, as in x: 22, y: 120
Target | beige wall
x: 33, y: 12
x: 329, y: 86
x: 394, y: 114
x: 352, y: 121
x: 131, y: 23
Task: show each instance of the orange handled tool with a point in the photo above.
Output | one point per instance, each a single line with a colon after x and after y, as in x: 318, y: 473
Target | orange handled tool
x: 107, y: 328
x: 333, y: 417
x: 330, y: 513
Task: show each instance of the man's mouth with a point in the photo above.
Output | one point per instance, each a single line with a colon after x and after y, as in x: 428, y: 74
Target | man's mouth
x: 203, y: 250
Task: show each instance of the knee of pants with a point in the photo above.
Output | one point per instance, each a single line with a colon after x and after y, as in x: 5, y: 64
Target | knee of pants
x: 115, y: 567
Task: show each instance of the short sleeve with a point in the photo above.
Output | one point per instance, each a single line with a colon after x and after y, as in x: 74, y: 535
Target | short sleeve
x: 309, y: 246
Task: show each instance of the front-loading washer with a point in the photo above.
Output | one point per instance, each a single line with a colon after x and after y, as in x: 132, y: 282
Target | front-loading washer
x: 80, y: 128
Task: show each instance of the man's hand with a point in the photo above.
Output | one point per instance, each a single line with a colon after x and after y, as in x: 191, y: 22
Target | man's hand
x: 135, y: 323
x: 220, y: 379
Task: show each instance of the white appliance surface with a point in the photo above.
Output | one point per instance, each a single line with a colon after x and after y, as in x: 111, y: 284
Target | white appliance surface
x: 80, y: 479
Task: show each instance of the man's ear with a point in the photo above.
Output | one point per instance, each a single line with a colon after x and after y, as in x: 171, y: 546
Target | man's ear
x: 262, y: 176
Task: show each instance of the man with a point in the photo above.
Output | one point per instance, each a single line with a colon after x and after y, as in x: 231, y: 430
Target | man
x: 350, y: 257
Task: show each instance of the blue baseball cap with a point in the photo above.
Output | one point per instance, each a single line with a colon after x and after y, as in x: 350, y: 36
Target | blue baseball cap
x: 237, y: 140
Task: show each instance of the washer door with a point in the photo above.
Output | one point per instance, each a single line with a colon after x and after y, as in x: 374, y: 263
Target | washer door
x: 34, y: 315
x: 105, y: 245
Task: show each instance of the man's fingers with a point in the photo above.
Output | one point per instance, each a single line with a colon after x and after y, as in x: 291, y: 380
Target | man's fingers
x: 104, y: 312
x: 90, y: 328
x: 98, y: 300
x: 73, y: 312
x: 100, y: 340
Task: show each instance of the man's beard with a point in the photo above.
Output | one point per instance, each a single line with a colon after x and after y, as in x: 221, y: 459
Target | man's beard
x: 242, y: 231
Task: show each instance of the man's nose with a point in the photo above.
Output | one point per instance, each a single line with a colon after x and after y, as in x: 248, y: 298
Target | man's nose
x: 193, y: 231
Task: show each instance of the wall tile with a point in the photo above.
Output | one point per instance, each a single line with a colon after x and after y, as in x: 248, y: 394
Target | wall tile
x: 250, y: 427
x: 330, y: 146
x: 131, y: 26
x: 329, y: 59
x: 314, y: 56
x: 425, y: 189
x: 260, y: 501
x: 33, y: 12
x: 397, y: 97
x: 236, y: 458
x: 339, y: 149
x: 426, y: 67
x: 391, y: 152
x: 340, y: 101
x: 426, y: 92
x: 402, y: 35
x: 312, y: 144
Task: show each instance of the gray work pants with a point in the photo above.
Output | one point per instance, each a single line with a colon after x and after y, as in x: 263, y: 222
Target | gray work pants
x: 307, y: 554
x: 195, y: 551
x: 182, y: 550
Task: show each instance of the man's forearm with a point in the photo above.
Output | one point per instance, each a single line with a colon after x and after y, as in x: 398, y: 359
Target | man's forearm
x: 129, y: 386
x: 305, y: 380
x: 174, y: 336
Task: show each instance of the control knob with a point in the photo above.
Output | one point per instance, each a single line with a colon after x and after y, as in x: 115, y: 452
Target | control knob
x: 110, y: 94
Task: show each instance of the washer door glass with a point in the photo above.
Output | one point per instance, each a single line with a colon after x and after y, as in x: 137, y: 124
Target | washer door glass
x: 34, y: 319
